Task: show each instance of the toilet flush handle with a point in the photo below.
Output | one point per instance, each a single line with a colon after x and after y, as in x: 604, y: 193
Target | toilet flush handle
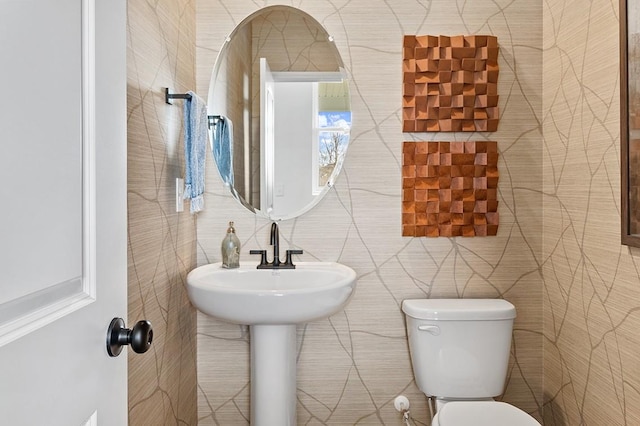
x: 433, y: 329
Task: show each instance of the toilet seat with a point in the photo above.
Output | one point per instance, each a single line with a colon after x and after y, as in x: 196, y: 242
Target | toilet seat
x: 482, y: 413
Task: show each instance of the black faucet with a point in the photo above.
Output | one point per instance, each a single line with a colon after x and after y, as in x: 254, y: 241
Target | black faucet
x: 274, y: 240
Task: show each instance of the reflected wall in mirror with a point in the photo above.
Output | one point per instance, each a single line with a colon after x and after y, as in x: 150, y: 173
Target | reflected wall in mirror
x: 280, y: 89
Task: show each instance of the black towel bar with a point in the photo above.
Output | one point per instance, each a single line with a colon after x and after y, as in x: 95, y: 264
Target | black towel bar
x: 213, y: 120
x: 169, y: 96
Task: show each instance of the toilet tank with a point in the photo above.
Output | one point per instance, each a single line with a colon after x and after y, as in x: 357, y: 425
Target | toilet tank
x: 460, y: 347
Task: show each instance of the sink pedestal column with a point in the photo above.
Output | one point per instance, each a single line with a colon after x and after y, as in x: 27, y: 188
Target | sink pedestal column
x: 273, y: 375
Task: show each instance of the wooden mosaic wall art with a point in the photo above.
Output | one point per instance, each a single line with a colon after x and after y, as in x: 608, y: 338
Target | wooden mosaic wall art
x: 449, y: 189
x: 450, y: 84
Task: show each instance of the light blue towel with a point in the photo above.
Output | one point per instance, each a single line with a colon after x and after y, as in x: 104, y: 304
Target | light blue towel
x: 223, y: 148
x: 195, y: 148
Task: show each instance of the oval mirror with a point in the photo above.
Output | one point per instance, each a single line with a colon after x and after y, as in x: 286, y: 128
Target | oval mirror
x: 279, y: 111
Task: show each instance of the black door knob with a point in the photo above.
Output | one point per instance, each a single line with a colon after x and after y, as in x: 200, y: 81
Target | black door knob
x: 139, y: 337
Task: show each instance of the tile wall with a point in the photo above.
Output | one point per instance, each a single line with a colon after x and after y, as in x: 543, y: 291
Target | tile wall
x: 591, y: 282
x: 351, y: 366
x: 161, y: 242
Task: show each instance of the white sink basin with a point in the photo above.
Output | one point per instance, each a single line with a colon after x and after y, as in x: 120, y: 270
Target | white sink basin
x: 251, y: 296
x: 272, y: 302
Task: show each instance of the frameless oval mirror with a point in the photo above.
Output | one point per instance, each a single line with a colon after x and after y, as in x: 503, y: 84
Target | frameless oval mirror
x: 280, y: 112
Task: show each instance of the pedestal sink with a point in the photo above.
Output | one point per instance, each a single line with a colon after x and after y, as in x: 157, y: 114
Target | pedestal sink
x: 272, y: 302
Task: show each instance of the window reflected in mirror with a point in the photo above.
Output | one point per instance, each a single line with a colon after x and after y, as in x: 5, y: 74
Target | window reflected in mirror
x: 331, y: 131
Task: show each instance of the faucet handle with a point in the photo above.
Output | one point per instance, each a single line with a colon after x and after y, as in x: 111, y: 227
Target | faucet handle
x: 263, y: 256
x: 288, y: 260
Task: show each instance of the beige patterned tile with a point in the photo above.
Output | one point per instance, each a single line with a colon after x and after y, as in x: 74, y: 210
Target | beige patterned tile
x: 590, y: 280
x: 162, y: 382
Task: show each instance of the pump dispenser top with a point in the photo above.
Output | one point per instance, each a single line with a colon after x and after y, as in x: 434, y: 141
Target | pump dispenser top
x: 230, y: 249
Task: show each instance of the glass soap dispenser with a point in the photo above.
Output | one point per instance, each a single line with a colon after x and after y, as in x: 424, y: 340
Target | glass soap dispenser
x: 230, y: 249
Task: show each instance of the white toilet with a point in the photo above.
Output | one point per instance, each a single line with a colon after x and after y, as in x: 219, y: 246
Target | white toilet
x: 460, y: 353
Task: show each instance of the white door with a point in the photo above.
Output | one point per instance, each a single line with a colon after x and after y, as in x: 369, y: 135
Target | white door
x: 63, y: 211
x: 267, y: 141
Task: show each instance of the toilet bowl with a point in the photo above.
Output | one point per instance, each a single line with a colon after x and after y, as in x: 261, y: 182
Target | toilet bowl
x: 482, y: 413
x: 460, y: 353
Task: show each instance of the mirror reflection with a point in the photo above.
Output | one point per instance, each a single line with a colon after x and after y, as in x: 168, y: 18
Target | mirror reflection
x: 283, y: 114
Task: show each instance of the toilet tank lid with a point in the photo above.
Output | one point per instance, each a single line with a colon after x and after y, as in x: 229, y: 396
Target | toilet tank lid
x: 459, y: 309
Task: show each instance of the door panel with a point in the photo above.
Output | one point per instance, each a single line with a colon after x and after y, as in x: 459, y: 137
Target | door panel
x: 42, y: 161
x: 267, y: 118
x: 63, y: 249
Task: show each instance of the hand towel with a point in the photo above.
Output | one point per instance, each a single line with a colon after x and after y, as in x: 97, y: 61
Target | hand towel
x: 196, y: 132
x: 223, y: 148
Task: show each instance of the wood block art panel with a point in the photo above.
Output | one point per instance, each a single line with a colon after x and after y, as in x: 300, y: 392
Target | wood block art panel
x: 449, y: 189
x: 450, y: 84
